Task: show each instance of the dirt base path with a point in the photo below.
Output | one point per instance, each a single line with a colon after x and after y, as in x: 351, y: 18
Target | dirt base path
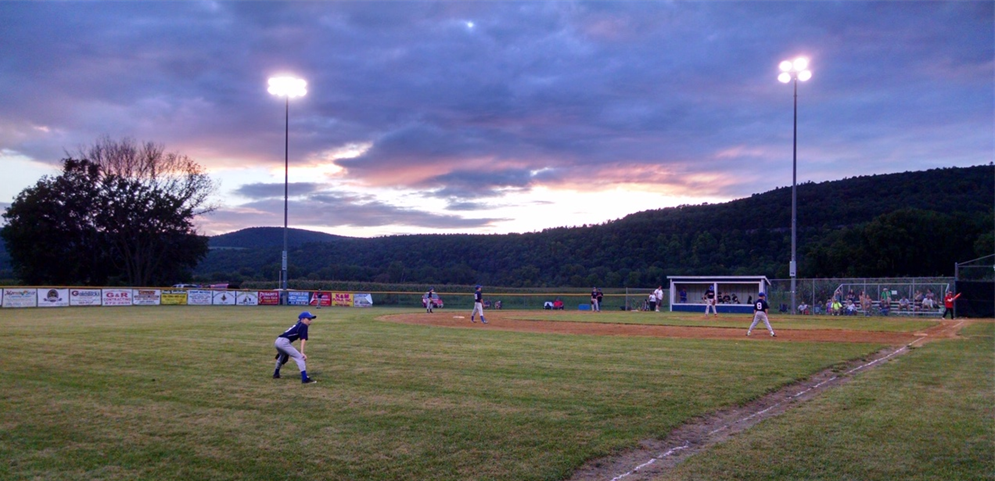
x: 510, y: 321
x: 655, y: 456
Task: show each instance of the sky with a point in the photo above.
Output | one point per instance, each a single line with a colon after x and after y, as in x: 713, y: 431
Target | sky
x: 495, y: 117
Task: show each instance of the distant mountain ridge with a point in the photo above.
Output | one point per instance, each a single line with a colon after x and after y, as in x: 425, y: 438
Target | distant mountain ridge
x: 257, y: 237
x: 950, y: 209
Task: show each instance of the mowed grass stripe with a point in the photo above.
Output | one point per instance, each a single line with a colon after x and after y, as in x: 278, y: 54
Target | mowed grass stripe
x: 926, y: 415
x: 186, y: 393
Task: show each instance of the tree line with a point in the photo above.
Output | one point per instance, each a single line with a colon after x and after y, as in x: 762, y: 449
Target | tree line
x: 120, y: 212
x: 908, y: 224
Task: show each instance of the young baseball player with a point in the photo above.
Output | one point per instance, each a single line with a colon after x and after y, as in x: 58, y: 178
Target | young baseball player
x: 710, y: 302
x: 760, y: 314
x: 428, y: 300
x: 478, y: 305
x: 285, y: 349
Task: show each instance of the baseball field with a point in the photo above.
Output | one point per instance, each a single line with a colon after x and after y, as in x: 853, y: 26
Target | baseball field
x: 169, y: 393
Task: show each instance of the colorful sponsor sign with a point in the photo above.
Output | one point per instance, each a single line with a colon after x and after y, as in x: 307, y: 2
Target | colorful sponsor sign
x: 174, y: 297
x: 342, y: 299
x: 362, y: 300
x: 321, y: 299
x: 117, y: 297
x: 146, y: 297
x: 247, y: 298
x: 224, y: 298
x: 84, y: 297
x: 269, y: 298
x: 199, y: 297
x: 298, y: 298
x: 20, y: 298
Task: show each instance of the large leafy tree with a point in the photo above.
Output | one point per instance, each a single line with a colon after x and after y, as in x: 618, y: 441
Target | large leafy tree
x: 123, y: 210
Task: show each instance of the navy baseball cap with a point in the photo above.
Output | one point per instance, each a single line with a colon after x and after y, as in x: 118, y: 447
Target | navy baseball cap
x: 762, y: 294
x: 478, y: 286
x: 306, y: 314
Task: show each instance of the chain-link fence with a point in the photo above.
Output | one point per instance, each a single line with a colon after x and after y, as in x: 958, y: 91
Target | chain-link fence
x: 913, y: 296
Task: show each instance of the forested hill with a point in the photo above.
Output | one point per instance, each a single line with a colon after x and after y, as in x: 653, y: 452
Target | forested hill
x: 914, y: 223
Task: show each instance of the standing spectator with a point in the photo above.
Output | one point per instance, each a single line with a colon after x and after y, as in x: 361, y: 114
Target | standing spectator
x: 684, y: 296
x: 948, y: 304
x: 658, y: 294
x: 866, y: 303
x: 601, y: 298
x: 478, y: 305
x: 594, y: 300
x: 886, y: 297
x: 710, y: 301
x: 760, y: 314
x: 651, y: 302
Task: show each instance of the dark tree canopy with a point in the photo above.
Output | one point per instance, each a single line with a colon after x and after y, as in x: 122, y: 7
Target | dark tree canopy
x: 122, y: 211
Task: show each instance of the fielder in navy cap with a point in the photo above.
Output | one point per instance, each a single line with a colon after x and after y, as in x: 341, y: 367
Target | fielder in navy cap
x: 285, y: 349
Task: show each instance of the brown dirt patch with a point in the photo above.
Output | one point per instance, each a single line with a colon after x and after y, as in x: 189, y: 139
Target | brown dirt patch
x: 653, y: 457
x: 507, y: 321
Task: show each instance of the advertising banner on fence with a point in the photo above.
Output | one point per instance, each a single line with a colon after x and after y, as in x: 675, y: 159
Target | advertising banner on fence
x: 20, y: 298
x: 362, y: 300
x: 84, y: 297
x: 342, y: 299
x: 146, y: 297
x: 269, y: 298
x: 248, y: 298
x: 198, y: 297
x: 298, y: 298
x: 224, y: 298
x: 117, y: 297
x: 175, y: 297
x: 321, y: 299
x: 49, y: 297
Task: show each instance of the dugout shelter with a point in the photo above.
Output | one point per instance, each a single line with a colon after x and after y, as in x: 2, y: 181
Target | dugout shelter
x: 743, y: 289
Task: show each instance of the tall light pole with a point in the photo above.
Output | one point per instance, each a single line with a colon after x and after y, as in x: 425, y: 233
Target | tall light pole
x: 288, y: 87
x: 794, y: 70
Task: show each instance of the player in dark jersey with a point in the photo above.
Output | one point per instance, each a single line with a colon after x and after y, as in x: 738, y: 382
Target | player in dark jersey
x: 760, y: 314
x: 710, y: 302
x: 478, y: 305
x: 285, y: 349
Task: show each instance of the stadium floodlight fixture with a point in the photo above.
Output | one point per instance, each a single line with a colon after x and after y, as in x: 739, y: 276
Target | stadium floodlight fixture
x: 287, y: 87
x: 794, y: 70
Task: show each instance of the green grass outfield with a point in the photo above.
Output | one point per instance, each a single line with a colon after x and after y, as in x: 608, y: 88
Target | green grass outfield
x: 185, y: 393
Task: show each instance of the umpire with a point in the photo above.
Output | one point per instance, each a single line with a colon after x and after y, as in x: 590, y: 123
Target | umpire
x: 285, y: 349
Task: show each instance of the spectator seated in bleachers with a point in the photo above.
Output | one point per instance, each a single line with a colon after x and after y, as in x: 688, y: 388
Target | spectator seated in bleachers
x: 557, y: 304
x: 851, y: 308
x: 903, y: 304
x: 548, y: 305
x: 803, y: 308
x: 884, y: 307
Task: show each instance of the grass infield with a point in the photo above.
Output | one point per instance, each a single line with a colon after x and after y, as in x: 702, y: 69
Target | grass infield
x: 185, y: 393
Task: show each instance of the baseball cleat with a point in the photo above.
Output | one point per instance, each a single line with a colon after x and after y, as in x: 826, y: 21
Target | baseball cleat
x: 276, y: 375
x: 747, y: 333
x: 471, y: 319
x: 308, y: 381
x: 773, y: 335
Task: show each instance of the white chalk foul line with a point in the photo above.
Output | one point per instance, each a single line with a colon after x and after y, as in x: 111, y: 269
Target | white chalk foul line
x: 761, y: 412
x: 653, y: 460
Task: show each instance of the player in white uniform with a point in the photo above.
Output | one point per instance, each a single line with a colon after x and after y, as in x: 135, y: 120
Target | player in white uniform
x: 760, y: 314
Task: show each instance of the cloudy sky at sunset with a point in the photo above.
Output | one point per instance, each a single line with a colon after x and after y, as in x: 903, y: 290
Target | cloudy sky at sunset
x: 496, y: 116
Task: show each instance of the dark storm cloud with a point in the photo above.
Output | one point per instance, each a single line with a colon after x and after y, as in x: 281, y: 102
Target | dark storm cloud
x: 533, y: 93
x: 337, y: 209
